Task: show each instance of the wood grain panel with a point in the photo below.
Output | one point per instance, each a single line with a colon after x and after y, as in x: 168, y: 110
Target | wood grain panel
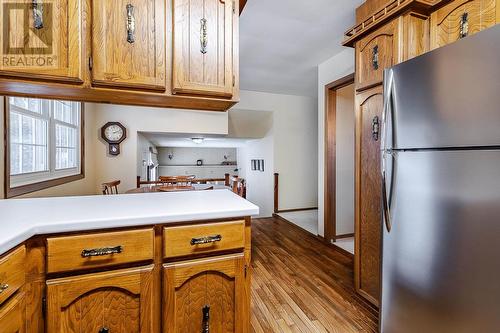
x: 382, y: 46
x: 12, y: 275
x: 177, y: 240
x: 368, y: 221
x: 203, y: 72
x: 65, y: 253
x: 445, y: 22
x: 415, y: 34
x: 121, y: 301
x: 119, y: 63
x: 13, y: 315
x: 216, y: 282
x: 51, y: 53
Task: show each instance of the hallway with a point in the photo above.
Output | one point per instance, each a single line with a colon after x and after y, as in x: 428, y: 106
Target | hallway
x: 301, y: 285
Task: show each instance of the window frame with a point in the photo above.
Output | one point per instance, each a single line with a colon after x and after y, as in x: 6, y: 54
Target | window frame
x: 66, y: 175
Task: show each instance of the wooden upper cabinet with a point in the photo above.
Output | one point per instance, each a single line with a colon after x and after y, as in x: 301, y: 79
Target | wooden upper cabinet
x: 46, y: 47
x: 116, y: 302
x: 461, y: 18
x: 374, y: 53
x: 128, y: 44
x: 203, y: 47
x: 205, y: 295
x: 369, y: 105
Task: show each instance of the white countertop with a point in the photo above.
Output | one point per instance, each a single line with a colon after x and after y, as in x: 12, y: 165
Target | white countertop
x: 21, y: 219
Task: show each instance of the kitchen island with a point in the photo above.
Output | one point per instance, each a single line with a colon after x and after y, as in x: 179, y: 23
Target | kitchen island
x: 152, y: 262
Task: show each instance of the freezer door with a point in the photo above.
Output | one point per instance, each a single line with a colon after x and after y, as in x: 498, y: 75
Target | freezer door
x: 440, y: 265
x: 449, y: 97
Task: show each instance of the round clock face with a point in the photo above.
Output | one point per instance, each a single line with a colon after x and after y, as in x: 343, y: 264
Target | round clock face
x: 113, y: 133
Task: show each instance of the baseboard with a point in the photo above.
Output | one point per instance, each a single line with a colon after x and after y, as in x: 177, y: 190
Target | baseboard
x: 295, y: 210
x: 335, y: 247
x: 344, y: 236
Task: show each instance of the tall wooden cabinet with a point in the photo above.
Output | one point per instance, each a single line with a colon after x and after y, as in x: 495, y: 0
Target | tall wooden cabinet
x: 369, y: 105
x: 203, y: 47
x: 462, y: 18
x: 128, y: 44
x: 387, y: 33
x: 118, y: 301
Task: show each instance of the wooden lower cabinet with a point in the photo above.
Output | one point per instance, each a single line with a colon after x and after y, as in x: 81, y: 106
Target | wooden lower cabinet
x: 118, y: 301
x: 206, y: 295
x: 13, y: 315
x: 368, y: 219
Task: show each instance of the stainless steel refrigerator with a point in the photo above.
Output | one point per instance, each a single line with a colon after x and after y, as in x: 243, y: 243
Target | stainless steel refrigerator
x: 441, y: 190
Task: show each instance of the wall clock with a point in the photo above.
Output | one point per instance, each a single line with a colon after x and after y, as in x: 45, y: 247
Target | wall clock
x: 114, y: 133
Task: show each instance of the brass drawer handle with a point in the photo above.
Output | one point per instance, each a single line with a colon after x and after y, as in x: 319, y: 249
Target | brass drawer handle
x: 37, y: 14
x: 203, y: 36
x: 130, y: 24
x: 102, y: 251
x: 3, y: 287
x: 206, y: 240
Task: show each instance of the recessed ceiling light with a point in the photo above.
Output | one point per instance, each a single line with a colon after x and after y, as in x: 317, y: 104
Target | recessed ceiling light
x: 197, y: 140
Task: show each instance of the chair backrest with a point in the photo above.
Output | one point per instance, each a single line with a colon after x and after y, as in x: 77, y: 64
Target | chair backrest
x: 110, y: 187
x: 176, y: 180
x: 239, y: 186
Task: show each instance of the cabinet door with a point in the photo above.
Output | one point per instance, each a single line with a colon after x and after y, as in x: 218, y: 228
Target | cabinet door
x: 45, y: 46
x: 13, y: 315
x: 203, y: 47
x: 374, y: 53
x: 461, y: 18
x: 369, y: 106
x: 119, y: 301
x: 128, y: 44
x: 205, y: 295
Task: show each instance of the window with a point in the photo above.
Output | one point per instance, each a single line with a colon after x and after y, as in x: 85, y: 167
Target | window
x: 44, y: 143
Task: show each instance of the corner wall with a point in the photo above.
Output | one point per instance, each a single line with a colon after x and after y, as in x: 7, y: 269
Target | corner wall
x: 329, y: 71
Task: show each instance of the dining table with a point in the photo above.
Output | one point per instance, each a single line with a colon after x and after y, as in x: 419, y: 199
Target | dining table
x: 177, y: 188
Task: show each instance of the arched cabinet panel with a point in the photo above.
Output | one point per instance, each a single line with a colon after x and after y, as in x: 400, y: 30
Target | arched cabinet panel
x: 204, y: 294
x: 120, y: 301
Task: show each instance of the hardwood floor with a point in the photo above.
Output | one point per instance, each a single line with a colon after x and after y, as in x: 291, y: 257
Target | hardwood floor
x: 300, y: 284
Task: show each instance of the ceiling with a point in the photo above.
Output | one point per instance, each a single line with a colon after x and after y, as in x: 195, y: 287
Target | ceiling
x: 283, y: 41
x: 184, y: 140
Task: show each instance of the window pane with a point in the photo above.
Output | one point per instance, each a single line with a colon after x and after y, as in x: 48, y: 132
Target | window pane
x: 65, y: 158
x: 32, y: 130
x: 15, y: 159
x: 30, y: 104
x: 66, y: 136
x: 66, y: 111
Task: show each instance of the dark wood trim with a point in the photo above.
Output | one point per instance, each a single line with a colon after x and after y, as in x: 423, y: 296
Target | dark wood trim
x: 276, y: 192
x: 295, y: 209
x: 29, y: 188
x: 330, y: 154
x: 242, y: 5
x: 344, y: 236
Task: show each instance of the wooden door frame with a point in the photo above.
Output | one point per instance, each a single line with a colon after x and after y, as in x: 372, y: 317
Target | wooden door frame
x: 330, y: 180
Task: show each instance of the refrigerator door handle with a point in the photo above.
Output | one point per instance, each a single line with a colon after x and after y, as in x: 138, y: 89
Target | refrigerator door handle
x: 385, y: 151
x: 387, y: 111
x: 385, y: 203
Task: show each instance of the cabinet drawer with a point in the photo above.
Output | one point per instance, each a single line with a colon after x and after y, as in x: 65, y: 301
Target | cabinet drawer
x: 205, y: 238
x: 11, y: 273
x: 374, y: 53
x: 69, y: 253
x: 12, y: 315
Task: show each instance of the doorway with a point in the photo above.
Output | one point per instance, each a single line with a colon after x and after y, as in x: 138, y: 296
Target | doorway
x: 339, y: 163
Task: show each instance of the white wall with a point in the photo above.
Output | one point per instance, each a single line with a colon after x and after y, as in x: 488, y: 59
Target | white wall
x: 189, y: 156
x: 293, y: 144
x: 331, y: 70
x: 145, y: 119
x: 143, y: 150
x: 260, y: 186
x: 344, y: 146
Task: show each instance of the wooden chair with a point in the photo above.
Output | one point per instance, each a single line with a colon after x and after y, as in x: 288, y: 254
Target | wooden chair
x: 177, y: 180
x: 110, y: 188
x: 239, y: 186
